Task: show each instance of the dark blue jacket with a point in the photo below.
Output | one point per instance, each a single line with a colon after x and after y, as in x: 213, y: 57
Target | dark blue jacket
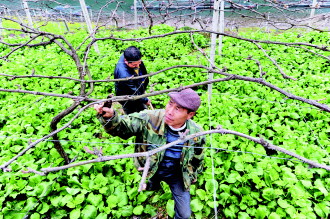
x: 130, y: 87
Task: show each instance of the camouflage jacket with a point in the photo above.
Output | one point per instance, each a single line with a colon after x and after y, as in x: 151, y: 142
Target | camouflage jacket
x: 149, y: 128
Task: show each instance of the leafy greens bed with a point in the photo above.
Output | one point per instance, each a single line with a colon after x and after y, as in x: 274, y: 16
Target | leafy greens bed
x: 248, y: 180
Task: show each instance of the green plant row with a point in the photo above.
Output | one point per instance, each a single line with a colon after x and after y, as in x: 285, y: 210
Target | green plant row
x: 242, y: 179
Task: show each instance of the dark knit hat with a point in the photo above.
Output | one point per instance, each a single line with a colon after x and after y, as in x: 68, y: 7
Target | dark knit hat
x: 132, y: 54
x: 186, y: 98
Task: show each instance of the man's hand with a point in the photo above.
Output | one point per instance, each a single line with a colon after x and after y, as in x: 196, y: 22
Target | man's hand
x: 108, y: 112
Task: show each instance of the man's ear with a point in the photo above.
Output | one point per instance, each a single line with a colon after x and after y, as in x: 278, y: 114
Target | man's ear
x: 190, y: 115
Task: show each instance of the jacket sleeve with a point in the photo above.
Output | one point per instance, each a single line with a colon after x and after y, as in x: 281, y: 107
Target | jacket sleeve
x: 124, y: 126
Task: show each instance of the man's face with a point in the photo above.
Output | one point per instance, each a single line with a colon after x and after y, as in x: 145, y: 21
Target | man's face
x: 175, y: 115
x: 133, y: 64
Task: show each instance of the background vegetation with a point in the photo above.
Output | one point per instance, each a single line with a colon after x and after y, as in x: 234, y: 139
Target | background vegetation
x: 247, y: 180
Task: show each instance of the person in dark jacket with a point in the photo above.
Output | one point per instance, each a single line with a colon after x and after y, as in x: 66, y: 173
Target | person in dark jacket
x: 130, y: 64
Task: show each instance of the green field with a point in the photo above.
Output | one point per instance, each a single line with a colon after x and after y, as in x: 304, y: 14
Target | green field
x: 246, y: 179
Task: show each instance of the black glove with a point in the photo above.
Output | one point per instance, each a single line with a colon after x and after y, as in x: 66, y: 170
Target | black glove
x: 107, y: 103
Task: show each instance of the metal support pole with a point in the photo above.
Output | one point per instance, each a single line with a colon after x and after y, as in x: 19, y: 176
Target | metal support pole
x: 18, y: 17
x: 88, y: 22
x: 221, y: 24
x: 27, y: 12
x: 313, y: 8
x: 66, y: 25
x: 124, y: 21
x: 215, y: 19
x: 135, y: 14
x: 215, y: 27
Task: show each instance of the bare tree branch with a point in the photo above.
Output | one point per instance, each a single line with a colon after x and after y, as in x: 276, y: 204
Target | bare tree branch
x: 229, y: 77
x: 275, y: 63
x: 144, y: 174
x: 322, y: 48
x: 147, y: 154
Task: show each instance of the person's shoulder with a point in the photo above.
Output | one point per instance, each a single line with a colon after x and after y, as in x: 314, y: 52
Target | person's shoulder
x: 193, y: 126
x: 121, y: 58
x: 158, y: 113
x: 153, y: 116
x: 120, y: 61
x: 122, y: 70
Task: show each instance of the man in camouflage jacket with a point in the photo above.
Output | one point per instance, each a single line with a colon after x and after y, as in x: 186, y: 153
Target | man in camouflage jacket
x: 178, y: 165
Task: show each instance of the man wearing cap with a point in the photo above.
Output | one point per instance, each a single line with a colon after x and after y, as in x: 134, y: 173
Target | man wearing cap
x: 178, y: 165
x: 130, y: 65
